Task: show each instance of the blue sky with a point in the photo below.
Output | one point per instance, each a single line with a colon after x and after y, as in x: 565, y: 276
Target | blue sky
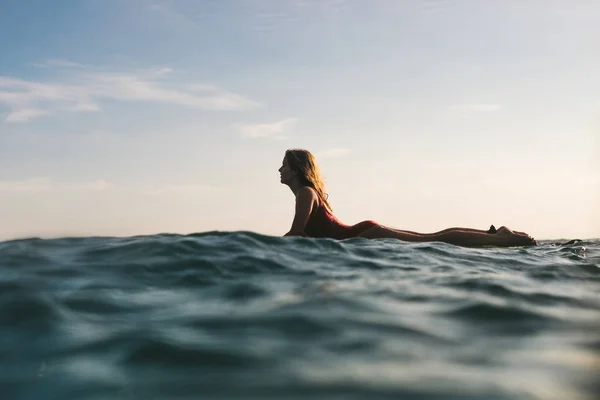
x: 147, y: 116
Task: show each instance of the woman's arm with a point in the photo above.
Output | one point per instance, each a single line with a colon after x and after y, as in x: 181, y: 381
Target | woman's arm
x: 304, y: 205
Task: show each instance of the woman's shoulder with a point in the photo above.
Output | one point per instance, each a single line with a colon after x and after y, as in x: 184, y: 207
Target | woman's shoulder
x: 311, y: 195
x: 308, y: 193
x: 307, y: 190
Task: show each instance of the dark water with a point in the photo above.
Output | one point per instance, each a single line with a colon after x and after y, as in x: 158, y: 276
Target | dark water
x: 244, y: 316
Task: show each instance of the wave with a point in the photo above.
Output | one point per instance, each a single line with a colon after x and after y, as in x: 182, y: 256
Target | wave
x: 244, y: 315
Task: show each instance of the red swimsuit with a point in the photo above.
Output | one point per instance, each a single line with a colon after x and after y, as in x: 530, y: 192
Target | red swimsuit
x: 322, y: 223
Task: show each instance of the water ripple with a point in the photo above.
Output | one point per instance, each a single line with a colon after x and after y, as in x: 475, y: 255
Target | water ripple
x: 242, y: 315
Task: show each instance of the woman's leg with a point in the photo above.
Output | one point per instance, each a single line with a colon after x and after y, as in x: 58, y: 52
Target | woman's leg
x: 457, y: 236
x: 445, y: 231
x: 492, y: 230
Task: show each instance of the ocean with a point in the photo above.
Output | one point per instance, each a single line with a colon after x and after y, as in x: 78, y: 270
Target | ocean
x: 238, y: 315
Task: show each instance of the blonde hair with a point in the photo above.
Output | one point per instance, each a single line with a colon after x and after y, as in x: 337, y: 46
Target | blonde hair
x: 303, y: 164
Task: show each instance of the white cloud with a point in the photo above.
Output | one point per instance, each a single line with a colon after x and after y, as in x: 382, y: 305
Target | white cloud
x: 95, y: 186
x: 54, y: 62
x: 25, y: 114
x: 274, y: 129
x: 163, y: 71
x: 187, y: 189
x: 476, y: 107
x: 37, y: 185
x: 173, y: 15
x: 88, y: 88
x: 83, y: 107
x: 32, y: 185
x: 155, y: 6
x: 333, y: 153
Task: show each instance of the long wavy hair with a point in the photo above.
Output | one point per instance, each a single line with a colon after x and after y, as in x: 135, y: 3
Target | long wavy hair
x: 303, y: 164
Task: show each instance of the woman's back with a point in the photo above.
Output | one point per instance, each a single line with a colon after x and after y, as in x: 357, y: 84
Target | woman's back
x: 322, y: 223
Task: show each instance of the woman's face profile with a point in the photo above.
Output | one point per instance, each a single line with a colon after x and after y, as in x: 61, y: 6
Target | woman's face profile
x: 285, y: 171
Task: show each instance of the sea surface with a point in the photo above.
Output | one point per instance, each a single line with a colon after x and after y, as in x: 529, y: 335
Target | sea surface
x: 237, y: 315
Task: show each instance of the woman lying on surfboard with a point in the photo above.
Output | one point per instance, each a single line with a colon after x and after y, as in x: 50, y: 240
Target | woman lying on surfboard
x: 314, y: 217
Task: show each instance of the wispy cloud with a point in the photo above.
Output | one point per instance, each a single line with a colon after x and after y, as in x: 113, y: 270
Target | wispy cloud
x: 88, y: 88
x: 83, y: 107
x: 37, y: 185
x: 156, y: 6
x: 175, y: 15
x: 273, y: 130
x: 95, y: 186
x: 263, y: 17
x: 163, y: 71
x: 186, y: 189
x: 33, y: 185
x: 57, y: 63
x: 25, y: 114
x: 476, y: 107
x: 333, y: 153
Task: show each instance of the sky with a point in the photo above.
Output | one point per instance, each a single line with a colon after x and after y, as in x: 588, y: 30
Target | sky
x: 135, y: 117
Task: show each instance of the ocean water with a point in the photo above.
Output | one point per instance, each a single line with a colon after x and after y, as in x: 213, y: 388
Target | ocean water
x: 243, y: 316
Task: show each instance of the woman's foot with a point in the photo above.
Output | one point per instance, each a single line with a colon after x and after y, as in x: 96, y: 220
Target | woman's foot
x: 509, y: 238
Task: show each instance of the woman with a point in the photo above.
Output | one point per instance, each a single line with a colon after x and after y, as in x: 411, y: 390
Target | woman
x: 314, y: 218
